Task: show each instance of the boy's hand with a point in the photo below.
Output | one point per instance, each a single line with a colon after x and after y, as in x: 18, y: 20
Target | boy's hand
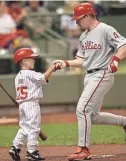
x: 59, y: 64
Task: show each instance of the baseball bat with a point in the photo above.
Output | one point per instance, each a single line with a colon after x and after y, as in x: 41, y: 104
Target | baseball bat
x: 41, y: 134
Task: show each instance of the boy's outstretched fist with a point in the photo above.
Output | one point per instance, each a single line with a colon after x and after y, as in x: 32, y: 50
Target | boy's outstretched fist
x: 59, y: 64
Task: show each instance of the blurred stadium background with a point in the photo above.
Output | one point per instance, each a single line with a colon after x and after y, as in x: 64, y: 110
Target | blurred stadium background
x: 45, y: 27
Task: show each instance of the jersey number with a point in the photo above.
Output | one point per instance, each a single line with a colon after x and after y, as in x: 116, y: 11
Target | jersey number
x: 116, y: 35
x: 23, y: 94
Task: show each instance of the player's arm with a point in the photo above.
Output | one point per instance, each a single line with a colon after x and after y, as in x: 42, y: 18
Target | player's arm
x: 78, y: 62
x: 119, y: 43
x: 59, y: 64
x: 121, y: 53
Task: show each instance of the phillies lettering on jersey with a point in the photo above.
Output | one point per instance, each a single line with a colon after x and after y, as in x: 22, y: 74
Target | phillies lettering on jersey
x: 28, y: 85
x: 89, y: 45
x: 98, y: 46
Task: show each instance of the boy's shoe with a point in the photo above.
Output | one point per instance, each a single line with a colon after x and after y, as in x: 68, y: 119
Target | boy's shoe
x: 15, y: 153
x: 34, y: 156
x: 82, y: 153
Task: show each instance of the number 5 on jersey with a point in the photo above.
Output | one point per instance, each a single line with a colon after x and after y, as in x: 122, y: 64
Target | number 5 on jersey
x: 22, y: 93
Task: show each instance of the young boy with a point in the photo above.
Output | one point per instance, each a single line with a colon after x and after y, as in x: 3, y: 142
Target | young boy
x: 28, y: 85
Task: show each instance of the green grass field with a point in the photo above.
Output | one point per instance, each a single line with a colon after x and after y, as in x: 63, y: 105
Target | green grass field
x: 66, y: 134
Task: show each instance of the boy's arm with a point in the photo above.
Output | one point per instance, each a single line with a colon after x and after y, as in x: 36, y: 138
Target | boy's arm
x: 48, y: 73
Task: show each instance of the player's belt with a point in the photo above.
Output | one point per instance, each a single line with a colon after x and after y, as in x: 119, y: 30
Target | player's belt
x: 93, y: 70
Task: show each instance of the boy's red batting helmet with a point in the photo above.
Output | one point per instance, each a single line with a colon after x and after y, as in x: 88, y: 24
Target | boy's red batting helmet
x: 24, y: 53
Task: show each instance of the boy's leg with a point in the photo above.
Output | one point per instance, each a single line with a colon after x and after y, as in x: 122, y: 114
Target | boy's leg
x: 21, y: 135
x: 19, y: 139
x: 15, y: 153
x: 34, y: 156
x: 33, y: 128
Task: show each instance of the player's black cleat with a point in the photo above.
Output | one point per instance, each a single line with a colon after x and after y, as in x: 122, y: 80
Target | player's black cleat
x: 34, y: 156
x: 15, y: 153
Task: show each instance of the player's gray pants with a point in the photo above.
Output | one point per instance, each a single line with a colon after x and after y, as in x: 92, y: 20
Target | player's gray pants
x: 29, y: 121
x: 96, y: 85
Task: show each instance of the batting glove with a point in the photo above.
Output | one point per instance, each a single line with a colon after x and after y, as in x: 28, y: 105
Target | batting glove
x: 59, y: 64
x: 113, y: 66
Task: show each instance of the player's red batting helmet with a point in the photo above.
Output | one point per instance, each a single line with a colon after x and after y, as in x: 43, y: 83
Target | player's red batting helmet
x: 82, y: 10
x: 24, y: 53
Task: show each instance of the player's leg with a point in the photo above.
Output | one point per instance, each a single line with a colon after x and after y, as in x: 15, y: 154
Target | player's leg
x: 96, y: 86
x: 98, y: 117
x: 33, y: 129
x: 19, y: 139
x: 83, y: 113
x: 108, y: 118
x: 92, y: 95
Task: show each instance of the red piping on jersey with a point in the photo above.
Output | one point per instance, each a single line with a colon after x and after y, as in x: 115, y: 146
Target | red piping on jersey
x: 87, y: 104
x: 94, y: 27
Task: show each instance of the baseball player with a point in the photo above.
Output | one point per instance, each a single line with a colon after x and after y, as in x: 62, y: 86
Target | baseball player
x: 101, y: 49
x: 28, y: 85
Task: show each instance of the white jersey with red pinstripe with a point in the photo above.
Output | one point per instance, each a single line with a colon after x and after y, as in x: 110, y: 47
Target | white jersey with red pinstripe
x: 97, y: 48
x: 28, y: 85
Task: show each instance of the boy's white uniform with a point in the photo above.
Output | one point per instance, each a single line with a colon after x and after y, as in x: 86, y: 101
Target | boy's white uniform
x: 28, y: 85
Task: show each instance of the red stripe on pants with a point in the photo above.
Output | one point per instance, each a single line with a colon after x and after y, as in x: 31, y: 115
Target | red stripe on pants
x: 87, y: 104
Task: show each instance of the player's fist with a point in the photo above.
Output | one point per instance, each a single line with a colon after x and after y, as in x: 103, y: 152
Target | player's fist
x: 59, y: 64
x: 113, y: 66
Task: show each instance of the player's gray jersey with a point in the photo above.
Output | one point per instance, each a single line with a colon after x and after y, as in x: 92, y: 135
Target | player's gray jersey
x: 28, y: 84
x: 99, y: 45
